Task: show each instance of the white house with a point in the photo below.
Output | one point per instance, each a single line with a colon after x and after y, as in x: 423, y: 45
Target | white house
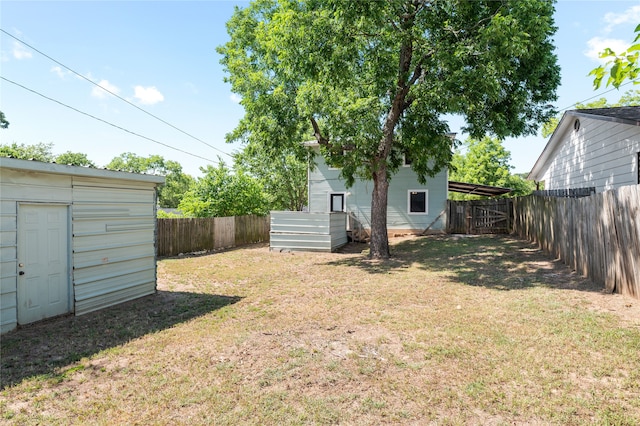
x: 592, y: 148
x: 73, y: 239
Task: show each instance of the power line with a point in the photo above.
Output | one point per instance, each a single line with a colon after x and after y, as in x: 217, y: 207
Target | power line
x: 106, y: 122
x: 603, y: 93
x: 114, y: 94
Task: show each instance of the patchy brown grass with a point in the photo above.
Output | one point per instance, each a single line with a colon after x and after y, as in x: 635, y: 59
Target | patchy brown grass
x: 452, y: 330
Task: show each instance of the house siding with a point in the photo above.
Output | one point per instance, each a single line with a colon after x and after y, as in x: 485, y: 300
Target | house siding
x: 601, y: 154
x: 111, y: 235
x: 324, y: 181
x: 306, y: 231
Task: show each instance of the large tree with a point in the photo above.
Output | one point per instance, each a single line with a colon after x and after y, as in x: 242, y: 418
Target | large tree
x: 375, y: 79
x: 176, y: 183
x: 485, y: 161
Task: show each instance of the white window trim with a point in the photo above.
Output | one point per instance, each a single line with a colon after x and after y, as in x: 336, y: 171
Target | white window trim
x: 344, y: 200
x: 404, y: 161
x: 426, y: 201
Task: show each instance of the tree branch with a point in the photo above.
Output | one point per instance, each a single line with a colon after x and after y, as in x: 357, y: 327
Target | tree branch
x: 316, y: 132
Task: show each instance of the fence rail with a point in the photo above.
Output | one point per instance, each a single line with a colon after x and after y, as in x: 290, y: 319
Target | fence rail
x: 597, y: 236
x: 183, y: 235
x: 573, y: 192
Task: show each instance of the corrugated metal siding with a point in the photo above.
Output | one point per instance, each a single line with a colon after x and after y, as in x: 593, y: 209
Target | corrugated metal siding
x: 307, y: 231
x: 600, y: 154
x: 8, y: 260
x: 113, y: 222
x: 323, y: 181
x: 113, y: 242
x: 16, y: 186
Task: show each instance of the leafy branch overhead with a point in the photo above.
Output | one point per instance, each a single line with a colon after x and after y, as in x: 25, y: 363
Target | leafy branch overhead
x: 621, y: 67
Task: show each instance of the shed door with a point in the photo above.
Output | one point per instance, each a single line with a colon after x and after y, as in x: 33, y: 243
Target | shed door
x: 43, y: 267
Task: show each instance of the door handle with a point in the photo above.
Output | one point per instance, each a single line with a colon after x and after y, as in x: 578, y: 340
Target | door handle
x: 21, y: 273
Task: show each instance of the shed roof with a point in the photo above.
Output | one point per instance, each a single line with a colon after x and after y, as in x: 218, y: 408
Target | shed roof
x: 62, y: 169
x: 626, y: 115
x: 477, y: 189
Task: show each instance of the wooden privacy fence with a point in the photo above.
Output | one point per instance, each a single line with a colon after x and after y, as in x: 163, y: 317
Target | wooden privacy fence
x: 597, y: 236
x: 184, y: 235
x: 479, y: 216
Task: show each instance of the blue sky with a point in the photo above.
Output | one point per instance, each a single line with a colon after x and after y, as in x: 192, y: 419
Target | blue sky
x: 160, y: 57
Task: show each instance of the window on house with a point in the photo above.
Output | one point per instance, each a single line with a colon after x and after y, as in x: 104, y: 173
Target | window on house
x: 407, y: 160
x: 418, y: 203
x: 336, y: 202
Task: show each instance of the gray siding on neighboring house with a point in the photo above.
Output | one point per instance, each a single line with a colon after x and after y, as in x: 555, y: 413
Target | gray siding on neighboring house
x: 111, y: 216
x: 324, y: 181
x: 600, y: 153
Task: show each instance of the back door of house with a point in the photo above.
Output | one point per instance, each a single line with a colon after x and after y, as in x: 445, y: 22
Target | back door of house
x: 43, y: 262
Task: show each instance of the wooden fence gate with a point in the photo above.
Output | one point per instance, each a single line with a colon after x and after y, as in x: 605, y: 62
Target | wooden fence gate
x: 480, y: 216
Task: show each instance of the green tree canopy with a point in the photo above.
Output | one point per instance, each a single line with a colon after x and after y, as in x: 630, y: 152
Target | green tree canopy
x: 74, y: 159
x: 486, y: 162
x: 39, y: 152
x: 176, y: 183
x: 3, y: 121
x: 620, y: 67
x: 283, y: 176
x: 375, y: 79
x: 630, y: 98
x: 221, y: 192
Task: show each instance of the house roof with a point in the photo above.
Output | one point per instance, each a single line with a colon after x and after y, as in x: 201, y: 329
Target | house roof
x: 626, y: 115
x: 477, y: 189
x: 62, y: 169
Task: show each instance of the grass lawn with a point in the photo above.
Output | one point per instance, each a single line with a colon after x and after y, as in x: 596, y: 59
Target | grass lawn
x: 452, y: 330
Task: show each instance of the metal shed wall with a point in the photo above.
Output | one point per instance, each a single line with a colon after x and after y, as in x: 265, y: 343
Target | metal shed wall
x: 113, y: 242
x: 15, y: 187
x: 111, y: 234
x: 308, y: 231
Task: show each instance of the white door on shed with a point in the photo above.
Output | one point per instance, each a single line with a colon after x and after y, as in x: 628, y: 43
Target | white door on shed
x: 43, y: 266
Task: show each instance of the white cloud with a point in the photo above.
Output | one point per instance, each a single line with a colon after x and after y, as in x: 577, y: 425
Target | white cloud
x: 20, y: 52
x: 62, y: 73
x: 235, y: 98
x: 148, y: 95
x: 631, y: 15
x: 598, y: 44
x: 99, y: 93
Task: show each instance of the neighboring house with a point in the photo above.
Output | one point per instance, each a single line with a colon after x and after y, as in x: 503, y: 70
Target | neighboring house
x: 73, y: 239
x: 592, y: 148
x: 411, y: 206
x: 334, y: 209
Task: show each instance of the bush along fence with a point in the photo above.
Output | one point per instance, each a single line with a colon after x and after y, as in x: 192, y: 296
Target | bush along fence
x: 597, y: 236
x: 176, y: 236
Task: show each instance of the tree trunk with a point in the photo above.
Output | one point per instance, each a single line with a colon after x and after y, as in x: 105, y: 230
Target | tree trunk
x: 379, y: 246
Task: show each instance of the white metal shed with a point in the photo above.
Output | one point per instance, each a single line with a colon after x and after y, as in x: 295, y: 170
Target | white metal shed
x: 73, y: 239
